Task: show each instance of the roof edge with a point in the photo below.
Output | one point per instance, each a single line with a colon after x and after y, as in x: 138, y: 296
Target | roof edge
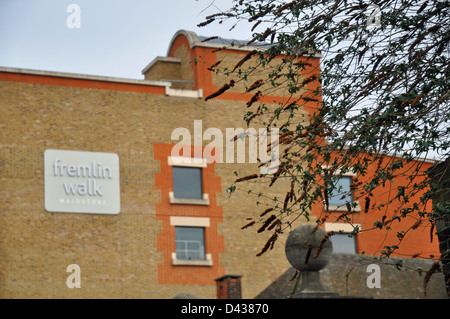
x: 237, y: 45
x: 191, y: 36
x: 83, y: 76
x: 195, y: 41
x: 160, y: 59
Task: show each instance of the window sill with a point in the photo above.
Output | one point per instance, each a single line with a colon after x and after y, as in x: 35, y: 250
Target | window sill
x: 184, y: 262
x: 189, y: 201
x: 342, y: 208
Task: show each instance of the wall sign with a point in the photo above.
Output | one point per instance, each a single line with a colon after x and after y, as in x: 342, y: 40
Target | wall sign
x: 81, y: 182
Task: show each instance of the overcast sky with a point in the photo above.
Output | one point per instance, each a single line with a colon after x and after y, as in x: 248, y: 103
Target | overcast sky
x: 116, y: 37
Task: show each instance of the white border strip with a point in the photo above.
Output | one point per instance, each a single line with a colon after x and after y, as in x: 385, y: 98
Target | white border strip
x: 189, y: 221
x: 186, y: 161
x: 341, y: 227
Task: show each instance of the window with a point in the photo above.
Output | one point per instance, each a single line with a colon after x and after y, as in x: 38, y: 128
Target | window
x: 190, y: 243
x: 187, y: 182
x: 342, y: 243
x: 190, y: 239
x: 341, y: 194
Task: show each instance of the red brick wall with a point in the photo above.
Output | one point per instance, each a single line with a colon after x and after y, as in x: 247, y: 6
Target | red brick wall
x: 214, y: 243
x: 372, y: 240
x: 229, y: 287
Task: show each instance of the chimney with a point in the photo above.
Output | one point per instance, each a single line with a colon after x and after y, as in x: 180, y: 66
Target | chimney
x: 229, y: 287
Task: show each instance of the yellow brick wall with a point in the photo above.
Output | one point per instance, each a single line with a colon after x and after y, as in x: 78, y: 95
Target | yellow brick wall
x: 163, y: 70
x: 253, y: 72
x: 117, y: 253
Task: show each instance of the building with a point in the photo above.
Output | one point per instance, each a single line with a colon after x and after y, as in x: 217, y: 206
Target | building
x: 152, y: 235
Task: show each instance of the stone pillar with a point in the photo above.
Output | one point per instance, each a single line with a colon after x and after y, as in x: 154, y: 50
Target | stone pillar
x: 301, y: 247
x: 229, y: 287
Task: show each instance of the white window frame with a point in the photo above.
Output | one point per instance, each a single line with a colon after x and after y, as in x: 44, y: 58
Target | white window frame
x: 343, y: 208
x: 188, y: 162
x: 343, y: 228
x: 191, y: 222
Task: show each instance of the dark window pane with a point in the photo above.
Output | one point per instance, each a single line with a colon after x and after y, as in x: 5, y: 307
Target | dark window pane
x: 342, y: 193
x: 342, y: 243
x: 190, y: 243
x: 187, y: 182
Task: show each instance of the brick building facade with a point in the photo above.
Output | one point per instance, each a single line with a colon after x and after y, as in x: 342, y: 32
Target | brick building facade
x: 137, y: 253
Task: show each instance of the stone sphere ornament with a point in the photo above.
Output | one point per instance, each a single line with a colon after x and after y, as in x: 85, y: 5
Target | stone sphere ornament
x: 301, y: 247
